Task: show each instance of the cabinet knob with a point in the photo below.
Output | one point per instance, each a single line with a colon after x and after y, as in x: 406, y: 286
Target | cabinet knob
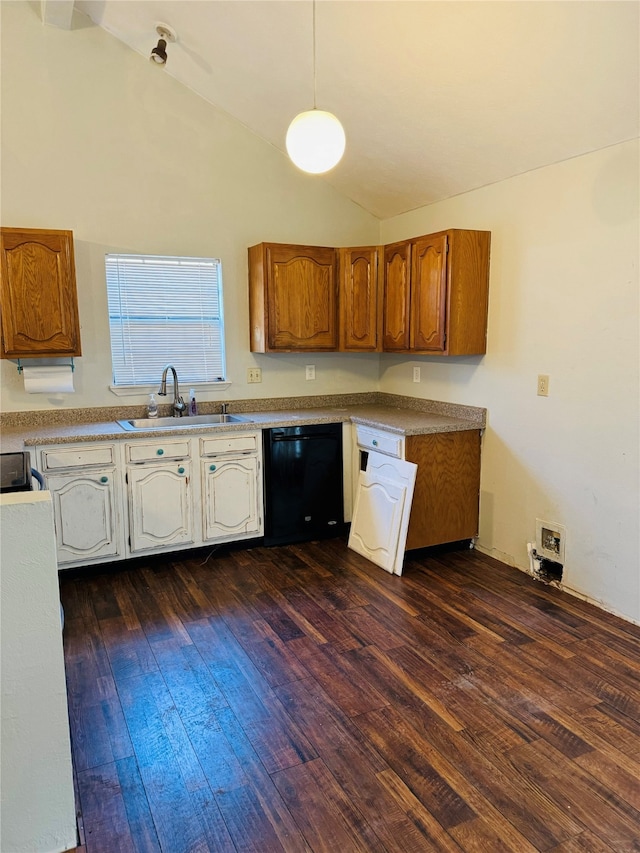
x: 374, y: 442
x: 159, y: 451
x: 104, y: 479
x: 212, y: 467
x: 181, y: 470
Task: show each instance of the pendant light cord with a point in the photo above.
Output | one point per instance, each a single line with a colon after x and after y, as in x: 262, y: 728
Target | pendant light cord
x: 314, y: 54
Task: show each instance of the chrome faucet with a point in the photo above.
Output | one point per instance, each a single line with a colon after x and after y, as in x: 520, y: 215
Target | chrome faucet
x: 179, y: 405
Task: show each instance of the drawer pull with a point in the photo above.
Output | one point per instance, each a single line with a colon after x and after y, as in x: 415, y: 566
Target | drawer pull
x: 159, y: 451
x: 374, y: 442
x: 181, y: 470
x: 212, y: 467
x: 104, y: 479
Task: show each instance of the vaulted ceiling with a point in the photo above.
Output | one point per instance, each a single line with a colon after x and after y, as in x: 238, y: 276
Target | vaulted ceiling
x: 436, y: 98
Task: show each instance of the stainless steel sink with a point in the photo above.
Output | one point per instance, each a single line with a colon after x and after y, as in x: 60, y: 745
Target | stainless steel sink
x: 180, y: 423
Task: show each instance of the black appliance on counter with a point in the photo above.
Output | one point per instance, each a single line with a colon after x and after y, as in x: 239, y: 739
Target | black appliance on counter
x: 303, y: 483
x: 16, y: 473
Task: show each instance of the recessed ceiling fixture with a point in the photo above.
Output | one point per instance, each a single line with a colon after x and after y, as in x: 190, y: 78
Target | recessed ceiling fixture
x: 159, y: 52
x: 315, y: 139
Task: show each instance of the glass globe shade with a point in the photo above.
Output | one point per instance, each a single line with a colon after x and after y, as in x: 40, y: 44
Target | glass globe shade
x: 315, y: 141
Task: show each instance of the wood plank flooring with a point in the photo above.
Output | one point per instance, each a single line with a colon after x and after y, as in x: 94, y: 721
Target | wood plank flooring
x: 301, y: 699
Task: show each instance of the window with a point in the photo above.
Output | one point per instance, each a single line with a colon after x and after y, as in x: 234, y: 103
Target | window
x: 165, y: 310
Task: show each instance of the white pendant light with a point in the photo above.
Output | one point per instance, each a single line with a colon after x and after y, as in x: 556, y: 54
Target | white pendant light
x: 315, y: 139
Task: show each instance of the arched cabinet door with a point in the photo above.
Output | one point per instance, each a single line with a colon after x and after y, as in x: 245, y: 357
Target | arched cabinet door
x: 86, y: 515
x: 360, y: 295
x: 382, y: 509
x: 160, y: 505
x: 397, y: 297
x: 231, y: 497
x: 39, y: 300
x: 293, y: 298
x: 429, y: 293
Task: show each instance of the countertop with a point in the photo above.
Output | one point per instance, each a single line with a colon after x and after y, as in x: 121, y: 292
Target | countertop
x: 397, y: 419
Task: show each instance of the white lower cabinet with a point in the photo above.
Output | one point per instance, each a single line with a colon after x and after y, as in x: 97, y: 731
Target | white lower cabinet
x: 230, y: 498
x: 231, y: 481
x: 160, y: 499
x: 86, y: 492
x: 86, y: 519
x: 121, y: 499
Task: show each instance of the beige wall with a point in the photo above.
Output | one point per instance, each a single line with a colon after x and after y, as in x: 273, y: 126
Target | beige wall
x: 97, y: 139
x: 563, y: 302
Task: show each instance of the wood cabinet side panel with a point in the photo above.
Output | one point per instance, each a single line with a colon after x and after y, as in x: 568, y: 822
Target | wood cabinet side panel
x: 38, y: 291
x: 257, y: 292
x: 468, y: 296
x: 447, y: 492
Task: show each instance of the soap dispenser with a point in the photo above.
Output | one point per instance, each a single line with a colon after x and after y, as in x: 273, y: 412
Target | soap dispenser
x: 152, y: 407
x: 193, y: 406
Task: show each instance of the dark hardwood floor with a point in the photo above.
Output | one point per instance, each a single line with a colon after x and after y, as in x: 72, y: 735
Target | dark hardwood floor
x: 301, y: 699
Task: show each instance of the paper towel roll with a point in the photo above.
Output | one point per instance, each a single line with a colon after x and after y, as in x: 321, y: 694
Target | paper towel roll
x: 48, y: 379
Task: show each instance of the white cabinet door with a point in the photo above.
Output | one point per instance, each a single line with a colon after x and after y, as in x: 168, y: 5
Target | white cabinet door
x: 86, y: 515
x: 231, y: 498
x: 160, y: 505
x: 381, y: 512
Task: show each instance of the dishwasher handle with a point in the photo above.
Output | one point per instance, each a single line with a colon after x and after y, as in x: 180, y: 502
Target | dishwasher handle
x: 314, y: 437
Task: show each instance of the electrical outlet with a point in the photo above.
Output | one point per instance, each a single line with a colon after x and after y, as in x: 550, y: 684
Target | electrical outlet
x: 416, y: 374
x: 310, y: 371
x: 254, y: 374
x: 543, y: 385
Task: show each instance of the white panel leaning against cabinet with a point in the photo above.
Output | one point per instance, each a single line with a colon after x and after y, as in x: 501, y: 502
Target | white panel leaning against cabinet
x: 382, y: 508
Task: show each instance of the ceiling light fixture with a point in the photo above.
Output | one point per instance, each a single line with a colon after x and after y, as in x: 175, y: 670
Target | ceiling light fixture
x: 315, y: 138
x: 159, y: 52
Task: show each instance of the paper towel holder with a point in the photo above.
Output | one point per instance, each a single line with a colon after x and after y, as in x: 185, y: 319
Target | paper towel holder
x: 71, y: 365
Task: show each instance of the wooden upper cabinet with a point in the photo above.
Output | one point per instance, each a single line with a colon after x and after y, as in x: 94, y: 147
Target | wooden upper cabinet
x: 428, y: 293
x: 397, y: 297
x: 437, y: 294
x: 292, y: 298
x: 359, y: 278
x: 39, y: 304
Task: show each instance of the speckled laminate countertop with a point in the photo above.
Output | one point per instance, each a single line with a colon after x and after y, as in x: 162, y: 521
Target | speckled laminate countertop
x: 405, y: 416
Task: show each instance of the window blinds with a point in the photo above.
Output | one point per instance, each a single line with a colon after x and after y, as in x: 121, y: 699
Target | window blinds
x: 165, y: 310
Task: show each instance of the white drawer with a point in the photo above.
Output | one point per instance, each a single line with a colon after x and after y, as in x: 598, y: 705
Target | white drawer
x: 229, y: 444
x: 78, y: 457
x: 157, y: 450
x: 382, y: 442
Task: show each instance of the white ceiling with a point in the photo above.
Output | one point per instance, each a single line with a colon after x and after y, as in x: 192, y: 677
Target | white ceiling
x: 436, y: 98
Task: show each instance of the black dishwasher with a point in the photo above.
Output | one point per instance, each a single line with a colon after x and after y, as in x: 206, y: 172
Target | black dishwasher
x: 303, y: 483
